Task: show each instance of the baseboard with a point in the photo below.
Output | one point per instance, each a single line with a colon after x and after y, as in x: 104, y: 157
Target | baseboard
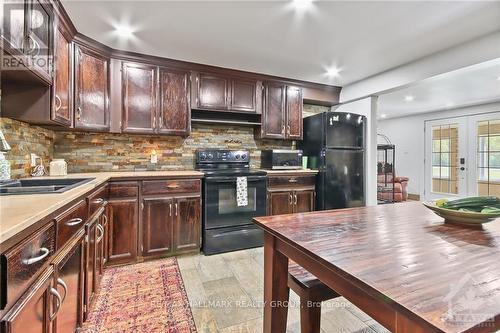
x: 415, y: 197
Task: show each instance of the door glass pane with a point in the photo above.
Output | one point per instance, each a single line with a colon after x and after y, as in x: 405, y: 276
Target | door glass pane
x: 445, y: 158
x: 488, y: 157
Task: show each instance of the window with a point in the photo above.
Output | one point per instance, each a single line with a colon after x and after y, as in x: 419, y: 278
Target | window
x: 488, y: 158
x: 445, y: 158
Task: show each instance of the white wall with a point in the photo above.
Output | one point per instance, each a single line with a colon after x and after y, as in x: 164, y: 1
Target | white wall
x: 368, y: 108
x: 407, y: 133
x: 473, y: 52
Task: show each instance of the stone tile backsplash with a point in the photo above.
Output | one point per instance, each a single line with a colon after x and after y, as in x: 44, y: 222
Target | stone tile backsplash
x: 90, y: 152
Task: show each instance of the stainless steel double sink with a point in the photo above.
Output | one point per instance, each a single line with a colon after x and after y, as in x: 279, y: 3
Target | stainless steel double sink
x: 40, y: 186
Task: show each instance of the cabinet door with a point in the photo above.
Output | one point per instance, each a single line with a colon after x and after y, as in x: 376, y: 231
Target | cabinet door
x: 187, y: 224
x: 14, y: 28
x: 99, y: 253
x: 212, y: 92
x: 157, y: 226
x: 123, y: 216
x: 175, y: 110
x: 32, y: 313
x: 61, y: 93
x: 90, y: 264
x: 243, y: 95
x: 273, y: 124
x: 69, y: 273
x: 294, y: 112
x: 280, y: 203
x: 40, y: 32
x: 303, y: 201
x: 91, y: 90
x: 139, y: 98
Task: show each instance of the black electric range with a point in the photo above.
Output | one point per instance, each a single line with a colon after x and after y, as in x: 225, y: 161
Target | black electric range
x: 227, y: 226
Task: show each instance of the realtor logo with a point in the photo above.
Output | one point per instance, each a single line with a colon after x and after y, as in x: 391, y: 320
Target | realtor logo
x: 27, y: 48
x: 467, y: 303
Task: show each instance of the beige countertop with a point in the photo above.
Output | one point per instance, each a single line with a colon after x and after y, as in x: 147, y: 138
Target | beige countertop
x: 291, y: 172
x: 19, y: 212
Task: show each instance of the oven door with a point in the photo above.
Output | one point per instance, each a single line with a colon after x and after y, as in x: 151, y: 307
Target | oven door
x: 221, y: 209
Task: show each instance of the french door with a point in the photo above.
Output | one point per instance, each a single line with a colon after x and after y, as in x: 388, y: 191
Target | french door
x: 462, y: 156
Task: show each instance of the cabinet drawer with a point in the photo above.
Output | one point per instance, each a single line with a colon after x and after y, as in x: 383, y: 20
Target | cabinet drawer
x: 69, y: 222
x: 23, y: 262
x: 291, y: 181
x: 123, y: 190
x: 97, y: 199
x: 170, y: 186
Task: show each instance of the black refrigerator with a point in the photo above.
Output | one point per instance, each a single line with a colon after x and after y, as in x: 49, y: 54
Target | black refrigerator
x: 335, y: 141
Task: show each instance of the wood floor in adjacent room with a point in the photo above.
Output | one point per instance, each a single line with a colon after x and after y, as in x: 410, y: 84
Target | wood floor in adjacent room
x: 226, y: 293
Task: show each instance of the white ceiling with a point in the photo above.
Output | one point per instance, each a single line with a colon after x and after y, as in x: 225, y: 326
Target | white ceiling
x: 472, y: 85
x: 274, y: 37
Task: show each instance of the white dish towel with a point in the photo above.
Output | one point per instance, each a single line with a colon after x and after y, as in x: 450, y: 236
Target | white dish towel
x: 241, y: 191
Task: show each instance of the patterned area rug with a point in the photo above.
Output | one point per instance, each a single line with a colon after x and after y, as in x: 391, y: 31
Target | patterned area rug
x: 145, y: 297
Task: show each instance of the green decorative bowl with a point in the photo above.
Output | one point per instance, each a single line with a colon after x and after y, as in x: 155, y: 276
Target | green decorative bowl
x: 464, y: 218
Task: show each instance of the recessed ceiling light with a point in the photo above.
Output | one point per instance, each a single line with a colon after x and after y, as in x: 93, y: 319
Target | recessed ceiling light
x: 409, y: 98
x: 332, y: 71
x: 124, y: 31
x: 302, y: 4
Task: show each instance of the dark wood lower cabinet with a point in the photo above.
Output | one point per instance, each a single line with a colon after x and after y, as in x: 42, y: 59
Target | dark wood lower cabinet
x: 187, y: 226
x: 280, y: 203
x: 34, y: 311
x: 304, y: 201
x: 122, y: 223
x: 69, y: 282
x: 157, y: 226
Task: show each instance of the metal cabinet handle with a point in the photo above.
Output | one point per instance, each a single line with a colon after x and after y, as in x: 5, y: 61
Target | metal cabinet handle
x: 74, y: 221
x: 290, y: 199
x: 288, y: 129
x: 45, y: 252
x: 173, y: 186
x: 176, y: 209
x: 78, y: 113
x: 58, y: 102
x: 161, y: 122
x: 55, y: 293
x: 292, y: 180
x: 295, y: 199
x: 170, y: 209
x: 101, y: 229
x: 98, y: 201
x: 65, y: 288
x: 283, y: 129
x: 105, y: 217
x: 154, y: 121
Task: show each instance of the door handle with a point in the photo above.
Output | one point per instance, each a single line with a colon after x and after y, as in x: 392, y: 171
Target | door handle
x: 290, y: 199
x: 170, y: 209
x: 295, y: 199
x: 65, y: 288
x: 176, y: 209
x: 58, y: 102
x: 55, y: 293
x: 74, y: 221
x: 45, y: 252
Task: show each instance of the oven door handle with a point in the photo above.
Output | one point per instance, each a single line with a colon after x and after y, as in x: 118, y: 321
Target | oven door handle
x: 233, y: 179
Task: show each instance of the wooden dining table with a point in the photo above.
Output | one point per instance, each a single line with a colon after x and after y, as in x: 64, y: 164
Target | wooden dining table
x: 400, y: 264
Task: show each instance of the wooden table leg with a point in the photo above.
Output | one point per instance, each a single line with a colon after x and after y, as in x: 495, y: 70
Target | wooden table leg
x: 275, y: 287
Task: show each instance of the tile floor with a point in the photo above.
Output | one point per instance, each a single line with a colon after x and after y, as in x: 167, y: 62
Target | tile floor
x: 226, y: 293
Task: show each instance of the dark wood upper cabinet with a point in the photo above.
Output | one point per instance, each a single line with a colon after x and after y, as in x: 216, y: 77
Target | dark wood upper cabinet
x: 282, y: 113
x: 69, y: 282
x: 139, y: 93
x: 244, y: 95
x: 62, y: 110
x: 91, y: 90
x: 174, y: 113
x: 212, y: 92
x: 158, y: 214
x: 273, y: 122
x: 187, y: 224
x: 28, y: 33
x: 294, y: 112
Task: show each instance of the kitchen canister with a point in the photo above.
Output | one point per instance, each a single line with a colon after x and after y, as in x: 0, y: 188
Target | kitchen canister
x: 58, y: 167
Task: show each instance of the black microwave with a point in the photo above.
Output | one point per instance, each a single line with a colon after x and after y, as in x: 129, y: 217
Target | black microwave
x: 281, y: 159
